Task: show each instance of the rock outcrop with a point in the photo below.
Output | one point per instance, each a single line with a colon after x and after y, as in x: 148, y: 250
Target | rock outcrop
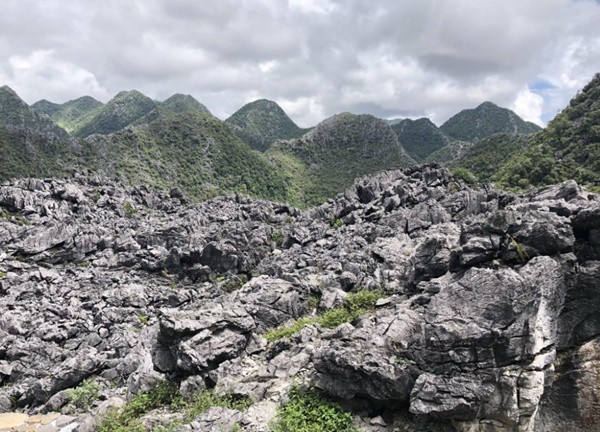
x: 486, y: 318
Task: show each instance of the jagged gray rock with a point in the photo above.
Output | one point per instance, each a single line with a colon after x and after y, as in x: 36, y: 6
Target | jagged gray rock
x: 488, y: 320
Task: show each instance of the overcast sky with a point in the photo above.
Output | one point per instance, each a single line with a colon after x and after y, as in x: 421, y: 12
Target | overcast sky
x: 389, y: 58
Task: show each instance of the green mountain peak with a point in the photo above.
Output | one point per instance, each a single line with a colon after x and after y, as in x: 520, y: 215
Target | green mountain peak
x: 180, y: 103
x: 420, y: 137
x: 483, y: 121
x: 262, y: 122
x: 122, y: 110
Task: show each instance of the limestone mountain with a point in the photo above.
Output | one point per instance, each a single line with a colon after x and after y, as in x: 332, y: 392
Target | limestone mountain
x: 180, y: 103
x: 420, y: 137
x: 191, y: 151
x: 31, y: 144
x: 485, y: 156
x: 569, y: 148
x: 262, y: 122
x: 331, y: 156
x: 450, y: 152
x: 393, y: 122
x: 174, y: 105
x: 15, y: 114
x: 69, y: 115
x: 122, y: 110
x: 485, y: 120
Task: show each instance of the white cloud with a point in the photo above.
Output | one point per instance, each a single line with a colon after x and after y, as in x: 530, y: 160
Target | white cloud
x: 529, y: 106
x: 316, y: 57
x: 41, y: 73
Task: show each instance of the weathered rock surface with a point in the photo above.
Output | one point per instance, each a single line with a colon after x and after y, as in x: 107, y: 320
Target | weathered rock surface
x: 489, y: 320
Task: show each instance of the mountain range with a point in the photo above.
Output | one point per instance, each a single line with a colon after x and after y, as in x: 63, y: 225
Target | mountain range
x: 178, y: 143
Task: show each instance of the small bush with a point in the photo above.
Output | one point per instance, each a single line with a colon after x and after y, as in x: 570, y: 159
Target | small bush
x: 166, y: 394
x: 334, y: 317
x: 278, y: 237
x: 522, y: 254
x: 126, y: 419
x: 84, y: 394
x: 336, y: 223
x: 130, y: 211
x: 464, y: 175
x: 143, y: 319
x: 289, y: 330
x: 308, y: 411
x: 2, y: 274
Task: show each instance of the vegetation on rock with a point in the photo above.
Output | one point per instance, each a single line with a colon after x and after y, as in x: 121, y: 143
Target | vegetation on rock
x: 194, y: 152
x: 309, y: 411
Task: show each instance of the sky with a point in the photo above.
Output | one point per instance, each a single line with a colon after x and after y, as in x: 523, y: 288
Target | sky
x: 316, y: 58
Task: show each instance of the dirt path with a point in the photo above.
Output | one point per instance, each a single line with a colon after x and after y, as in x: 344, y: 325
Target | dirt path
x: 15, y: 422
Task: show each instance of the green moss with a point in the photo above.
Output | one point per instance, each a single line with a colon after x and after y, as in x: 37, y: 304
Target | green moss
x: 309, y: 411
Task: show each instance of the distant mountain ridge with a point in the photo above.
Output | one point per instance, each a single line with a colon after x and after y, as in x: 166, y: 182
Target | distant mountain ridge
x: 69, y: 115
x: 569, y: 148
x: 485, y: 120
x: 178, y: 143
x: 324, y: 161
x: 262, y: 122
x: 16, y: 114
x: 420, y: 137
x: 86, y: 116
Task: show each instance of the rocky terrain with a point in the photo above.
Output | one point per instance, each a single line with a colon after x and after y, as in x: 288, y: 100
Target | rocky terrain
x: 412, y: 300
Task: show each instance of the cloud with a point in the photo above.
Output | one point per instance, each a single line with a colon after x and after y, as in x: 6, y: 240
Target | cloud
x: 315, y: 57
x: 529, y: 106
x: 42, y: 73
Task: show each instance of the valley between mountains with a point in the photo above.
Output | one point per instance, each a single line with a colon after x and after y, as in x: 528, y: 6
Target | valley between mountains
x: 163, y: 270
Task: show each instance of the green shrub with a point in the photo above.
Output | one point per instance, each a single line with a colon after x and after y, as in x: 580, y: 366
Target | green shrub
x: 143, y: 319
x: 522, y: 254
x: 308, y: 411
x: 2, y: 274
x: 126, y: 418
x: 167, y: 395
x: 84, y: 394
x: 278, y: 237
x: 130, y: 211
x: 355, y: 305
x: 336, y: 223
x: 464, y: 175
x: 289, y: 330
x: 334, y: 317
